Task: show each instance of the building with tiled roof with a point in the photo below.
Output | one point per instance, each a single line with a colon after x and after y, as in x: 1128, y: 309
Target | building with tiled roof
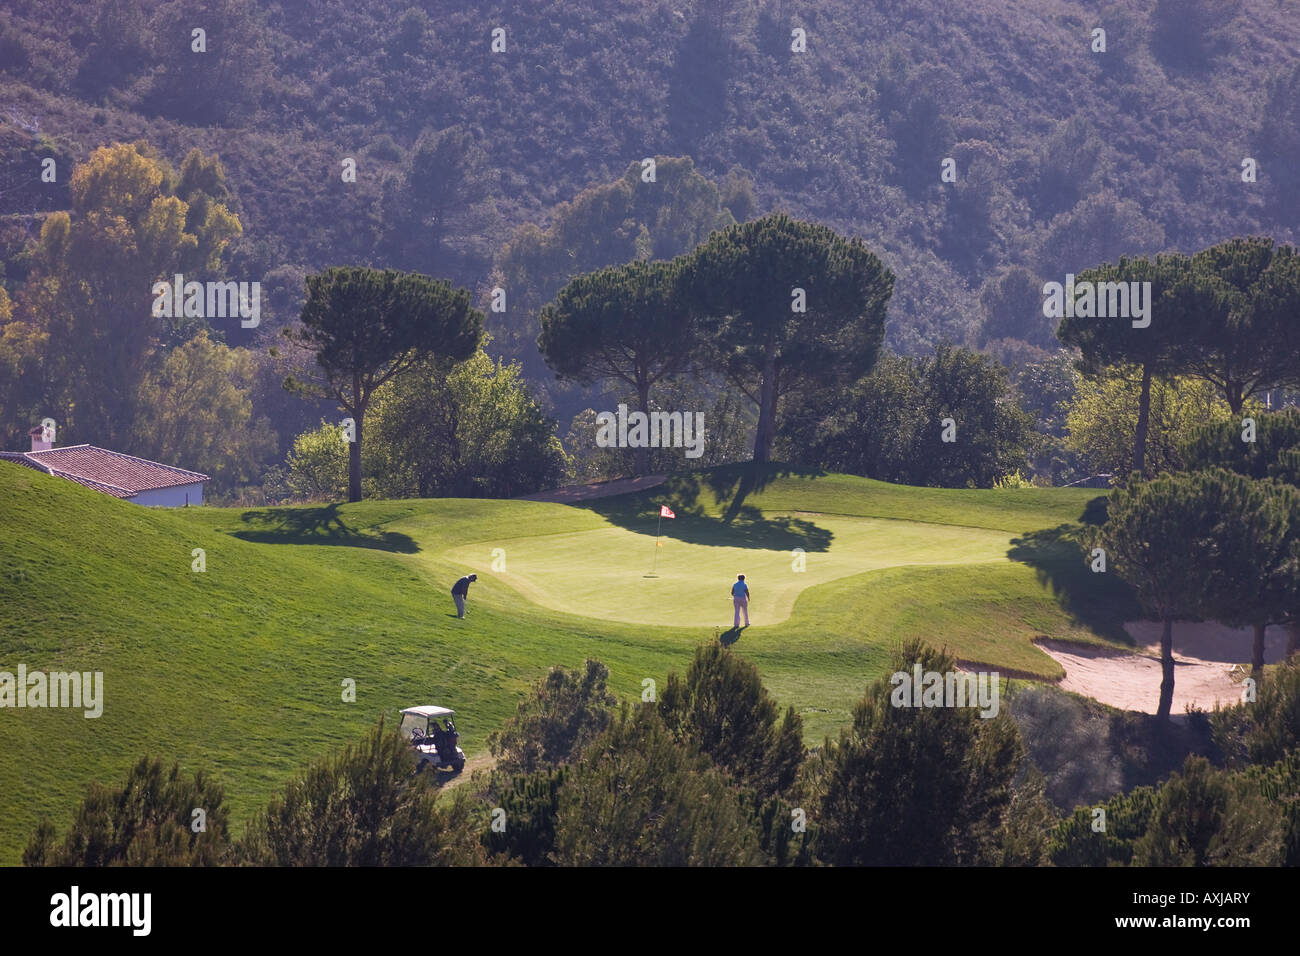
x: 122, y: 476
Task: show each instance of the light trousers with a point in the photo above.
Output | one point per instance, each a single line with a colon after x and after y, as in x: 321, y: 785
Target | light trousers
x: 742, y: 604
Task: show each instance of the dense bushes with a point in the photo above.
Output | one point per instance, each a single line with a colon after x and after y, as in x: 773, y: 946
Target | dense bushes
x: 1069, y: 745
x: 559, y: 716
x: 1266, y: 729
x: 894, y: 425
x: 362, y: 807
x: 159, y: 817
x: 637, y: 797
x: 723, y: 708
x: 1200, y: 817
x: 919, y: 786
x: 472, y: 432
x: 708, y: 776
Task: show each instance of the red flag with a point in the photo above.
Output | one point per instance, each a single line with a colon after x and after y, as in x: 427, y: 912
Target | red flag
x: 666, y: 512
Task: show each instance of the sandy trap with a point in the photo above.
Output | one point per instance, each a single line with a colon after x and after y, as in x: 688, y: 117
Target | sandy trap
x: 1204, y: 657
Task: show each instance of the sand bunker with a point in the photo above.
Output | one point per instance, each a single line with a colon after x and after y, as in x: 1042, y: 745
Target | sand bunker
x: 1205, y: 655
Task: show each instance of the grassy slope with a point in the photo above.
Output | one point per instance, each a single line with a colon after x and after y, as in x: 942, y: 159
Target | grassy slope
x: 239, y: 669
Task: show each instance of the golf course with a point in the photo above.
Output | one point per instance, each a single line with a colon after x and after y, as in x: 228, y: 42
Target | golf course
x: 242, y: 668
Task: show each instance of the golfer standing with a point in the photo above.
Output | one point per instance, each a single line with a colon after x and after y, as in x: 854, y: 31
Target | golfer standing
x: 740, y: 598
x: 460, y: 591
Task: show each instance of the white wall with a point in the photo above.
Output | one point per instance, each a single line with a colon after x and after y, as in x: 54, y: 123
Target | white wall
x: 171, y: 497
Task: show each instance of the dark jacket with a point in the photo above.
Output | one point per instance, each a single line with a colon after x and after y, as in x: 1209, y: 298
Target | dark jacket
x: 461, y: 586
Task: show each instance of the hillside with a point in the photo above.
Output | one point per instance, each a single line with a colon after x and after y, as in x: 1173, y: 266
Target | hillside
x: 240, y: 668
x: 1065, y: 157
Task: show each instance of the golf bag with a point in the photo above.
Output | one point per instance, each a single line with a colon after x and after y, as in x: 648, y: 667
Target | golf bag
x: 445, y: 741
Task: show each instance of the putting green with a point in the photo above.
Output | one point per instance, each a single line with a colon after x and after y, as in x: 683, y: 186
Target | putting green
x: 606, y: 573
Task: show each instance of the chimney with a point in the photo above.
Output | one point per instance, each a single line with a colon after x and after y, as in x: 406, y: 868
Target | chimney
x: 40, y: 440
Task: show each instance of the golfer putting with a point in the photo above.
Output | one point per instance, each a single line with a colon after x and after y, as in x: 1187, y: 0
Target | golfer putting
x: 740, y: 599
x: 460, y: 592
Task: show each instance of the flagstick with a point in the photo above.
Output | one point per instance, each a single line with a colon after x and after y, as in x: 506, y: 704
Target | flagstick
x: 655, y: 562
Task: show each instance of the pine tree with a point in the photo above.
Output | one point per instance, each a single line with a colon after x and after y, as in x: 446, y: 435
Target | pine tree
x: 639, y: 798
x: 1220, y: 445
x: 1206, y: 817
x: 723, y: 708
x: 629, y: 324
x: 744, y: 279
x: 149, y: 821
x: 562, y: 713
x: 530, y: 802
x: 914, y: 786
x: 1238, y: 303
x: 1108, y: 340
x: 1157, y: 536
x: 367, y: 327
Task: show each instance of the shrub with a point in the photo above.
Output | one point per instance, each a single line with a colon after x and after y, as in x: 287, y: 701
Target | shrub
x: 150, y: 821
x: 723, y: 708
x: 1086, y: 838
x: 531, y: 802
x: 639, y: 798
x: 919, y: 786
x: 1206, y: 817
x: 555, y: 721
x: 1268, y: 729
x: 363, y: 807
x: 1068, y: 744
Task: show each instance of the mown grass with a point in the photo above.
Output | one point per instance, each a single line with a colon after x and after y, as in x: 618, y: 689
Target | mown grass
x: 240, y: 669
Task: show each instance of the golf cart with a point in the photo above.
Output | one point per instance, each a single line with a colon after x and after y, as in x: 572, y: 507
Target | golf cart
x: 434, y: 744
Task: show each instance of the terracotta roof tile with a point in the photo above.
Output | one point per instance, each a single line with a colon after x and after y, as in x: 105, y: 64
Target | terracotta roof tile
x: 111, y: 472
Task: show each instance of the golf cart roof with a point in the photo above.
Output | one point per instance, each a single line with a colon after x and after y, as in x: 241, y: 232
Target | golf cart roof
x: 429, y: 710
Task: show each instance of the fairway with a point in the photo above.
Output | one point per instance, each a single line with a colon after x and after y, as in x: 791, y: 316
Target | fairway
x: 239, y: 669
x: 606, y: 573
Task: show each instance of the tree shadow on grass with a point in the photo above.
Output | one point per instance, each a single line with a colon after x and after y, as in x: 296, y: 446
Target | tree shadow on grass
x: 739, y: 525
x: 1100, y: 601
x: 322, y: 525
